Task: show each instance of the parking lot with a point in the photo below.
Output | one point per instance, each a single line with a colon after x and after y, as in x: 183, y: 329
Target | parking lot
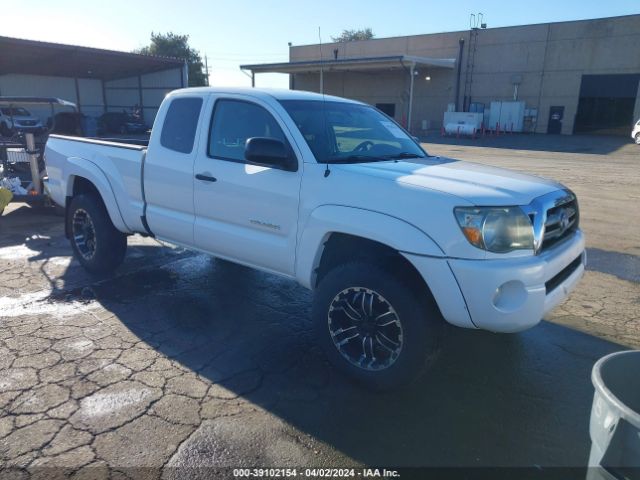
x: 180, y: 360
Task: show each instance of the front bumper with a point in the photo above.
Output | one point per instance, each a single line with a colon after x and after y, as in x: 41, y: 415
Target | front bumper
x: 507, y: 295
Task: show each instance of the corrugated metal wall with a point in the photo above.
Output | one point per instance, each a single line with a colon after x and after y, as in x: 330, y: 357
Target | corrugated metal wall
x: 148, y: 91
x: 89, y: 89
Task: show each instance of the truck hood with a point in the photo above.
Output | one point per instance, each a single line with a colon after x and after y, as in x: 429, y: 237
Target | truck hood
x: 473, y: 182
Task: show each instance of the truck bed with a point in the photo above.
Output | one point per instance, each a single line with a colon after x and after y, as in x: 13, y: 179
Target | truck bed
x: 117, y: 162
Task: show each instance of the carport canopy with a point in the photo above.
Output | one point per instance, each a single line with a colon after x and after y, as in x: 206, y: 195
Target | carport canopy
x: 370, y: 64
x: 44, y: 58
x: 361, y: 64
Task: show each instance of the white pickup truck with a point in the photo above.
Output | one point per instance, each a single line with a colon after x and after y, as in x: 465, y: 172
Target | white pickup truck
x: 336, y: 195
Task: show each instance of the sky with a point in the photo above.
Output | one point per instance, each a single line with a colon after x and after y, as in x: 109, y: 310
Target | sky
x: 235, y: 32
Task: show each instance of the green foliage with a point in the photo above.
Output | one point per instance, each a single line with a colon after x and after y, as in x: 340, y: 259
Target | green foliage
x: 351, y: 35
x: 177, y: 46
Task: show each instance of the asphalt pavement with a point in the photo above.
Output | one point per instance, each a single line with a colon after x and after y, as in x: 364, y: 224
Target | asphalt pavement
x: 180, y: 364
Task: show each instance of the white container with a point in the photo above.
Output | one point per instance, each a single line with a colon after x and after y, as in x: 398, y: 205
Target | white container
x: 615, y: 417
x: 460, y: 129
x: 508, y: 115
x: 464, y: 118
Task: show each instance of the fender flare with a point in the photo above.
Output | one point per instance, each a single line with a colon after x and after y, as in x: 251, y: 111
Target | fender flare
x: 370, y: 224
x: 81, y: 167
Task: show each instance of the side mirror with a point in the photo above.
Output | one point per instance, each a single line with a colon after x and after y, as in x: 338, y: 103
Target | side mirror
x: 269, y: 152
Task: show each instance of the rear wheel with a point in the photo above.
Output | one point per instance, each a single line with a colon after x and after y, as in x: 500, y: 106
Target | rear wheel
x: 374, y: 327
x: 96, y: 243
x: 638, y: 138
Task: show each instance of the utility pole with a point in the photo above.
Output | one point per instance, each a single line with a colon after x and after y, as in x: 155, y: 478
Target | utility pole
x: 206, y: 69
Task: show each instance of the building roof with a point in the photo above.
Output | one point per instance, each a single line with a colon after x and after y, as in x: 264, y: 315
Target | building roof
x: 44, y: 58
x: 466, y: 31
x: 350, y: 64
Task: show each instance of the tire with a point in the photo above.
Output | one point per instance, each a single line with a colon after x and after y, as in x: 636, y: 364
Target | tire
x: 417, y: 330
x: 637, y: 138
x: 96, y: 243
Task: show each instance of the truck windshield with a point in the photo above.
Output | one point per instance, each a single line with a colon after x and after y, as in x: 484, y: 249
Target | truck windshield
x: 340, y: 132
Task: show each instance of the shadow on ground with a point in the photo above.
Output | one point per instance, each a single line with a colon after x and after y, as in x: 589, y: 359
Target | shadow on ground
x: 491, y: 400
x: 36, y: 234
x: 589, y: 144
x: 516, y: 400
x: 623, y: 265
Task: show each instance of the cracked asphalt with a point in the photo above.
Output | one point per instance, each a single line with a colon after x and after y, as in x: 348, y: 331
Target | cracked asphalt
x: 180, y: 365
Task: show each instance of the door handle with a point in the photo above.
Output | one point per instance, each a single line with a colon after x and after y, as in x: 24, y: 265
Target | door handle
x: 206, y: 178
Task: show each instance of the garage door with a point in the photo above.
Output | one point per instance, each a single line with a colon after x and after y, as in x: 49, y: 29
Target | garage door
x: 606, y: 104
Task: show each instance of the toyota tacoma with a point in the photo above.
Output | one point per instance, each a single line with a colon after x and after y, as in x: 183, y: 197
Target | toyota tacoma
x: 337, y: 196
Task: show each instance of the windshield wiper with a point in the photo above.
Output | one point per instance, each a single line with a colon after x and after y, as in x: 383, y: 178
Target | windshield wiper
x: 356, y: 159
x: 401, y: 155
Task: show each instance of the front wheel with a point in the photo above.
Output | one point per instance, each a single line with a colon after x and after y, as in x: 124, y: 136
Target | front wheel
x: 96, y: 243
x: 374, y: 327
x: 638, y: 138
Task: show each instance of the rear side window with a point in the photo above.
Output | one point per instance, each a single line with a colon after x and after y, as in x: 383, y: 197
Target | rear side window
x: 234, y: 121
x: 180, y: 123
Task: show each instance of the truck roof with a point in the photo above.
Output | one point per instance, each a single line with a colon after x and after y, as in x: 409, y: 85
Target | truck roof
x: 277, y: 93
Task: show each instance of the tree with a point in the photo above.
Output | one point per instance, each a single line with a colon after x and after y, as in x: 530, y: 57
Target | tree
x: 351, y: 35
x: 177, y: 46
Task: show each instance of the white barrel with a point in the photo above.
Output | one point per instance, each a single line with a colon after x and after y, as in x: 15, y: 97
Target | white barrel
x: 615, y: 417
x: 459, y: 129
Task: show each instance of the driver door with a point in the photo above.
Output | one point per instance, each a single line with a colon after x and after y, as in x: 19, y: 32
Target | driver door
x: 245, y: 212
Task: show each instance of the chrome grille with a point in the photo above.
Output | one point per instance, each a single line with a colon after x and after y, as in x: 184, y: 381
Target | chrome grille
x: 561, y: 221
x: 554, y: 216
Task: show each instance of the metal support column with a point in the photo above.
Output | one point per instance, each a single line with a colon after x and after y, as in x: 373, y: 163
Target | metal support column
x: 184, y: 77
x: 458, y: 74
x: 104, y: 96
x: 33, y: 162
x: 78, y: 94
x: 412, y: 73
x: 140, y: 103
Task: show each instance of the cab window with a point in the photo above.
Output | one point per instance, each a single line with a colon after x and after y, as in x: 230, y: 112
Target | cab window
x: 180, y: 124
x: 234, y: 121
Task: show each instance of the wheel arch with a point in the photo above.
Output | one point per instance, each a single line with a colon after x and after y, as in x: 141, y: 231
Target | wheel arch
x: 84, y: 177
x: 335, y: 233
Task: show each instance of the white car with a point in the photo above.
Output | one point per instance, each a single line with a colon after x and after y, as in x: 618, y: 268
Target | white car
x: 14, y: 119
x: 335, y: 195
x: 635, y: 133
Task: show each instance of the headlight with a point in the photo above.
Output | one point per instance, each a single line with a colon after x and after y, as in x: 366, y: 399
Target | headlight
x: 496, y: 229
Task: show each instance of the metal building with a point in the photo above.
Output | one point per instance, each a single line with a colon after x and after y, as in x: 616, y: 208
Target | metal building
x: 568, y: 77
x: 96, y: 80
